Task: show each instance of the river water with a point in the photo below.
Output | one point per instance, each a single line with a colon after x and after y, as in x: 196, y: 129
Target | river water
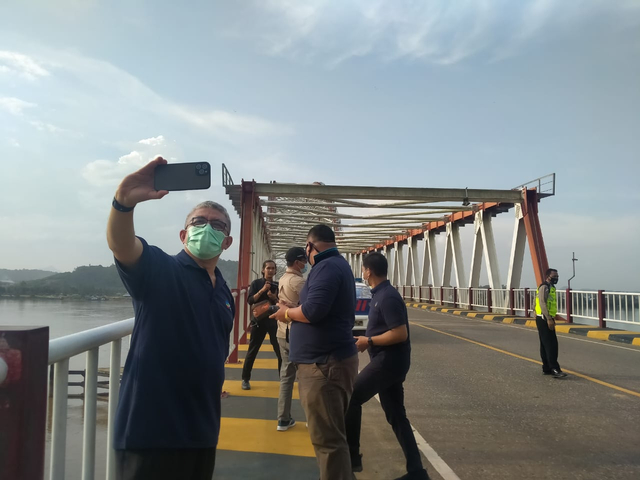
x: 64, y: 317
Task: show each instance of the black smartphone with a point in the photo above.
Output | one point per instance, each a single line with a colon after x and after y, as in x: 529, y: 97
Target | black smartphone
x: 182, y: 176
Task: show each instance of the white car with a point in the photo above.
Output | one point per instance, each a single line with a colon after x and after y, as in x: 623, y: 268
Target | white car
x: 363, y: 299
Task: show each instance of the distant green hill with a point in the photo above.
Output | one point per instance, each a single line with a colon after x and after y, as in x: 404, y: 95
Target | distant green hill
x: 24, y: 275
x: 91, y: 280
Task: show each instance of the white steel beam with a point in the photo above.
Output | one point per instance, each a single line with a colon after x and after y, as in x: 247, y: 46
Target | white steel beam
x: 399, y: 264
x: 412, y: 262
x: 456, y: 247
x: 518, y: 247
x: 430, y: 238
x: 476, y: 255
x: 426, y: 264
x: 448, y: 259
x: 490, y: 254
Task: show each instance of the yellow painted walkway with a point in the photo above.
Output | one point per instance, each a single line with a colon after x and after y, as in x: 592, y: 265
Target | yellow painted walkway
x: 250, y: 416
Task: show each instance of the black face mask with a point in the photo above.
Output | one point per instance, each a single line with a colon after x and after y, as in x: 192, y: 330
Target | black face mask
x: 553, y: 281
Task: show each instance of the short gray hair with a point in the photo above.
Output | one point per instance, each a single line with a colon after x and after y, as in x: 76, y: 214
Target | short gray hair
x: 212, y: 206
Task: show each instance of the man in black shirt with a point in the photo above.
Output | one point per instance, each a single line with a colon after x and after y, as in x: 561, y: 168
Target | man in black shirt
x: 387, y: 338
x: 262, y: 289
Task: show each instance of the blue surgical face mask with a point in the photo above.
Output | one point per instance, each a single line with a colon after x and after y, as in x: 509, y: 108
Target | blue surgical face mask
x: 304, y: 269
x: 204, y: 242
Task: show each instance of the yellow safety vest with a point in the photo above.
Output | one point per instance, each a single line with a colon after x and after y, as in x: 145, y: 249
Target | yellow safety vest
x: 552, y: 304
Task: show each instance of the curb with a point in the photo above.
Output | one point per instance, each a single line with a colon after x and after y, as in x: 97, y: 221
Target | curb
x: 609, y: 334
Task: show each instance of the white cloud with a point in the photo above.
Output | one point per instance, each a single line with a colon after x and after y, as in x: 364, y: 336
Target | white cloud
x: 437, y: 31
x: 14, y: 106
x: 109, y: 173
x: 154, y: 141
x: 110, y: 86
x: 106, y: 173
x: 21, y: 65
x: 224, y: 123
x: 43, y: 126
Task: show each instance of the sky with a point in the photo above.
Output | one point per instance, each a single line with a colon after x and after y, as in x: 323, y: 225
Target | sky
x: 478, y: 94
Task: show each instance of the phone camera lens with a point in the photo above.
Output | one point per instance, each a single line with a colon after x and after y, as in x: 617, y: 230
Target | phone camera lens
x: 201, y: 171
x: 198, y: 167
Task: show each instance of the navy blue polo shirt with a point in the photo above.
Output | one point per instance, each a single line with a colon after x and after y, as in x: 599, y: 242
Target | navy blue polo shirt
x: 387, y: 310
x: 173, y: 375
x: 328, y: 301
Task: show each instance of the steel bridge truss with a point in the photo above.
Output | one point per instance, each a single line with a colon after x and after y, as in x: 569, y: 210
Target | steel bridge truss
x: 277, y: 216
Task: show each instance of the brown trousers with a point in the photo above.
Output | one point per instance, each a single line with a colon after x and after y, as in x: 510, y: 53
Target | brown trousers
x: 325, y: 391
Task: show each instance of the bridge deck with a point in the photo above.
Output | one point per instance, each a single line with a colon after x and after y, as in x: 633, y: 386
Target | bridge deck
x: 477, y: 396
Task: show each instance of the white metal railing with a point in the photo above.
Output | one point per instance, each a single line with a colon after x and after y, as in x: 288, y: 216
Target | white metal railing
x: 60, y: 351
x: 561, y: 301
x: 479, y: 297
x: 622, y: 307
x: 463, y: 297
x: 519, y: 303
x: 500, y: 300
x: 435, y: 295
x: 448, y: 295
x: 584, y: 304
x: 416, y: 293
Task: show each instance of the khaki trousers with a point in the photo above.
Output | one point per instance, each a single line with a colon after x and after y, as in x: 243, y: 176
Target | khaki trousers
x: 325, y: 391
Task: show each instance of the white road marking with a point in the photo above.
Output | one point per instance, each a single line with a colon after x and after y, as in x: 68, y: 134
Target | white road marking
x: 432, y: 456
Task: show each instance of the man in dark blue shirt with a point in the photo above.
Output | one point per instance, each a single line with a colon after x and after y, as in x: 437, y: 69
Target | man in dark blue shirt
x: 168, y: 418
x: 387, y: 338
x: 322, y: 345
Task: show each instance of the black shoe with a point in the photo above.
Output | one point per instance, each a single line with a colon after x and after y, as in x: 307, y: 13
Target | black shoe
x: 246, y: 385
x: 547, y: 372
x: 558, y: 373
x: 418, y: 475
x: 356, y: 463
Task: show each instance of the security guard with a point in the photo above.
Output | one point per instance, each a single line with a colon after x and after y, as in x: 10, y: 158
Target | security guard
x: 546, y: 309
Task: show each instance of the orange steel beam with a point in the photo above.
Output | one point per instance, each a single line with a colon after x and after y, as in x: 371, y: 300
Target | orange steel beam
x: 534, y: 235
x: 248, y: 202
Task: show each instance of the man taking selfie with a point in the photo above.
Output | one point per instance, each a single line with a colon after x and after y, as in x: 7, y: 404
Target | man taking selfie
x: 168, y: 418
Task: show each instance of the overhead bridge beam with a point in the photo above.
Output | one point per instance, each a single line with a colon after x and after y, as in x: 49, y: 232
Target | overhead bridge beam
x: 332, y: 192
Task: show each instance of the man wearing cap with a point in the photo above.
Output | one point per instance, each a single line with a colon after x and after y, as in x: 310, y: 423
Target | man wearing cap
x: 291, y: 285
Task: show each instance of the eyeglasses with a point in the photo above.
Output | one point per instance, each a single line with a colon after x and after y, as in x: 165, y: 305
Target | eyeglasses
x: 215, y: 224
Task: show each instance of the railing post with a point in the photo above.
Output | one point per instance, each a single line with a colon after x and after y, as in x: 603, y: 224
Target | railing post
x: 90, y: 414
x: 489, y: 308
x: 114, y: 394
x: 233, y: 357
x: 569, y: 303
x: 24, y: 353
x: 455, y: 297
x: 441, y: 296
x: 512, y: 302
x: 527, y: 303
x: 601, y: 321
x: 470, y: 299
x: 430, y: 295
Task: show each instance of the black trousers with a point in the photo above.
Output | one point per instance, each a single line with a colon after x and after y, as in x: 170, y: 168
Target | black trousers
x: 548, y: 346
x: 384, y: 376
x: 166, y: 464
x: 258, y: 333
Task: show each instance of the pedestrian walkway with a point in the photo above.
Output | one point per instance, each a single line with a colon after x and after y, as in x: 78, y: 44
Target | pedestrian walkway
x: 621, y: 336
x: 249, y: 445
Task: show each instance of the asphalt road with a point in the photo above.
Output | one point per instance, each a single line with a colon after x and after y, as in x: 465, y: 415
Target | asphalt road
x: 477, y: 395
